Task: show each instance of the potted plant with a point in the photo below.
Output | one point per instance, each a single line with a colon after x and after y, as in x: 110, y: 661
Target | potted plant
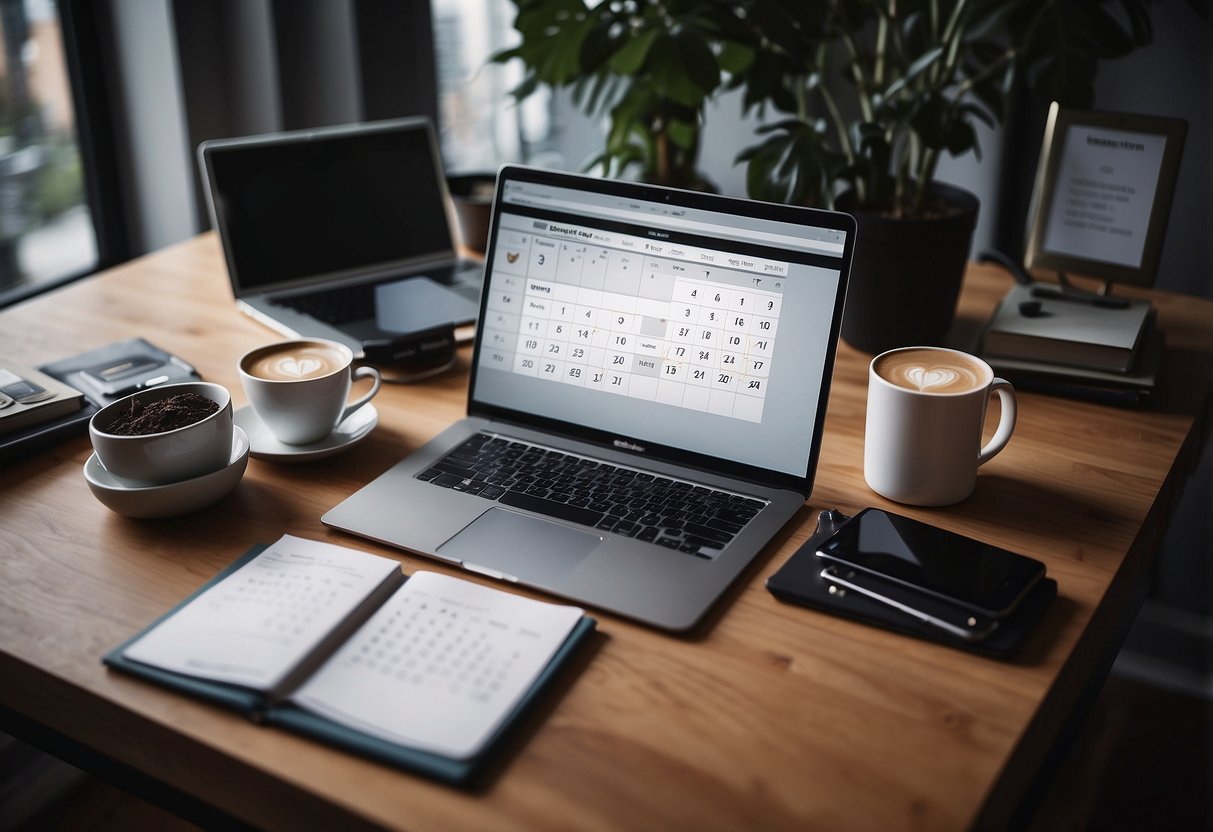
x: 649, y: 66
x: 870, y: 94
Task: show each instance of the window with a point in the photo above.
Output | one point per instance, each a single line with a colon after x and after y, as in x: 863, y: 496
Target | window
x: 481, y: 127
x: 46, y: 228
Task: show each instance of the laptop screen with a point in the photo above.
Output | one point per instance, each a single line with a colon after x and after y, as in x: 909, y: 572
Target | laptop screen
x: 302, y: 205
x: 681, y: 325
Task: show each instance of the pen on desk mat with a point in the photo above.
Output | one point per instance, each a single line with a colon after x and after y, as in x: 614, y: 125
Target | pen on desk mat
x: 143, y: 385
x: 155, y: 380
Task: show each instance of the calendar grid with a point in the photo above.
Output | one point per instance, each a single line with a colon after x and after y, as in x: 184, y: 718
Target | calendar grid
x: 633, y: 323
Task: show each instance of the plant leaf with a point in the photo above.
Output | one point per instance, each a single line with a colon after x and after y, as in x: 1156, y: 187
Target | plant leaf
x: 735, y: 58
x: 920, y: 65
x: 683, y: 134
x: 683, y: 70
x: 629, y: 59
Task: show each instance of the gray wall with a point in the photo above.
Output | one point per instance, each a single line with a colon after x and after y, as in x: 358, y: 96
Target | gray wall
x: 1172, y: 77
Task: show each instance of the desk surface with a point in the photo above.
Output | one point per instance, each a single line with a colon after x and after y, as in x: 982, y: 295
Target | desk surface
x: 770, y: 716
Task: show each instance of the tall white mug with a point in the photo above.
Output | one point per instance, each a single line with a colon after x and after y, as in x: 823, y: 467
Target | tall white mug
x: 926, y: 411
x: 299, y: 388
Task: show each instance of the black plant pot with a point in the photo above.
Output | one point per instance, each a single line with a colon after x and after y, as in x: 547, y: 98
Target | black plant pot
x: 906, y: 275
x: 472, y: 194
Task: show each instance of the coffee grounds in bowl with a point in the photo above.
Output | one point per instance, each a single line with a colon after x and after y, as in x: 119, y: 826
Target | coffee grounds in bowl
x: 177, y: 411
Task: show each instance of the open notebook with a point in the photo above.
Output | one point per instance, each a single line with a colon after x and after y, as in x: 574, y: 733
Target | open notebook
x: 426, y: 673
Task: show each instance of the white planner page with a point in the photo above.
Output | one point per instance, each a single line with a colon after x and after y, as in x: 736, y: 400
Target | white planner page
x: 256, y: 624
x: 440, y: 665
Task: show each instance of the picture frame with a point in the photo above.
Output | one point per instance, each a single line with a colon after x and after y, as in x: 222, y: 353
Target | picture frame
x: 1103, y: 193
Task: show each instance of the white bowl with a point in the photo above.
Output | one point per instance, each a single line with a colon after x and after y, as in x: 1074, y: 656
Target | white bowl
x: 171, y: 500
x: 169, y: 456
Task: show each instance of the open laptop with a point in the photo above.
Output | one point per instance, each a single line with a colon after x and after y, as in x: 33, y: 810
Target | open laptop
x: 671, y: 347
x: 343, y: 233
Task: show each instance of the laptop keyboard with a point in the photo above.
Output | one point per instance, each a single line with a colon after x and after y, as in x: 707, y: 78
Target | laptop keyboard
x: 676, y: 514
x: 334, y: 306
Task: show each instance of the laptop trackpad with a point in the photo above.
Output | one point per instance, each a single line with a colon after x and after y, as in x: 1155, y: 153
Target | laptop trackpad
x: 418, y: 303
x: 520, y: 546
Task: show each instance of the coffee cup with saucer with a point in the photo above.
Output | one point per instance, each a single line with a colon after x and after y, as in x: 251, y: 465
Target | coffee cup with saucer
x: 298, y: 394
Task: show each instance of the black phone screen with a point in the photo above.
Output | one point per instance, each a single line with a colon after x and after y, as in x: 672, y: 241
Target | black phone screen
x: 950, y: 566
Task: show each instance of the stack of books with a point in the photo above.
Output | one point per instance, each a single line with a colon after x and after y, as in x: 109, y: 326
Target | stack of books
x: 1047, y: 339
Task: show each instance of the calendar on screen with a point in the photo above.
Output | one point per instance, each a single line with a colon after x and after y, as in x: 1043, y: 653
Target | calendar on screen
x: 648, y: 320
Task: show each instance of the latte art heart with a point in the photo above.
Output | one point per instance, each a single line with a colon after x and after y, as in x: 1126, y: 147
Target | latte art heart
x: 295, y: 362
x: 298, y: 367
x: 932, y: 371
x: 925, y: 379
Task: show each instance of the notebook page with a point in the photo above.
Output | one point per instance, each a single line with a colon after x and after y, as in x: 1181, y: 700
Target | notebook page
x: 252, y: 627
x: 440, y: 665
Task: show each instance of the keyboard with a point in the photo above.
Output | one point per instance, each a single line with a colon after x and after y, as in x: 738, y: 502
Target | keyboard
x: 684, y: 516
x: 334, y: 306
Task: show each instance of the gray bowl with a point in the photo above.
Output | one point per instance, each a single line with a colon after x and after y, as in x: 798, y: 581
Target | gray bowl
x: 169, y: 456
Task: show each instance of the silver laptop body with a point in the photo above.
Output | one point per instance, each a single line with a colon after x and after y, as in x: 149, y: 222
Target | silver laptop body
x: 680, y: 342
x: 359, y: 208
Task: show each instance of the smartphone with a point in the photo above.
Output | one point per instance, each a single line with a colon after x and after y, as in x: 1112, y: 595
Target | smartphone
x: 950, y: 567
x: 955, y: 620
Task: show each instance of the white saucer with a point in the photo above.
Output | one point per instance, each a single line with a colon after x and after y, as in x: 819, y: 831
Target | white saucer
x: 173, y: 499
x: 266, y: 446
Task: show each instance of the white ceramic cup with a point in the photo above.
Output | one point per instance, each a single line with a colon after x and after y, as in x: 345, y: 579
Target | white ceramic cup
x: 300, y: 388
x: 170, y: 456
x: 926, y: 411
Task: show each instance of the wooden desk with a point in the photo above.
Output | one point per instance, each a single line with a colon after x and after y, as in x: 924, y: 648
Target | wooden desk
x: 770, y: 717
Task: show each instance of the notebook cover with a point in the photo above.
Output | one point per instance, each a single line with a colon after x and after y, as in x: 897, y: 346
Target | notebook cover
x: 293, y: 718
x: 245, y: 700
x: 799, y: 581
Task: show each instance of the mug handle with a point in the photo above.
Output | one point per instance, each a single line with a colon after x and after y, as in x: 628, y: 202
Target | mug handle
x: 362, y: 372
x: 1006, y: 420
